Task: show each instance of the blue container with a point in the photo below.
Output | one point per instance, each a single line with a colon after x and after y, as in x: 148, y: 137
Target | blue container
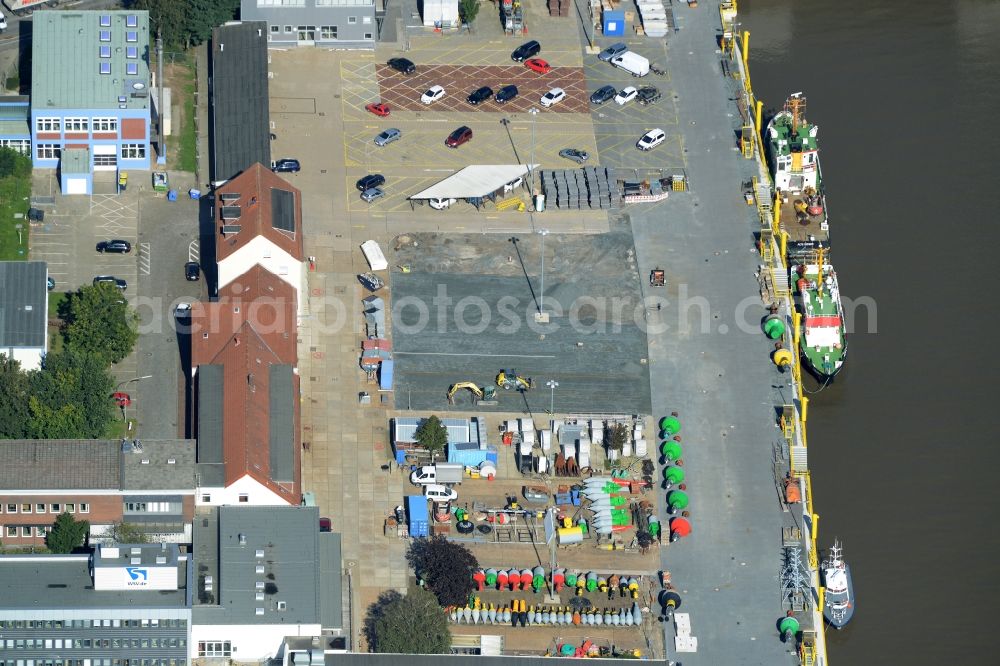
x: 613, y: 23
x: 385, y: 375
x: 194, y: 193
x: 172, y: 195
x: 419, y: 517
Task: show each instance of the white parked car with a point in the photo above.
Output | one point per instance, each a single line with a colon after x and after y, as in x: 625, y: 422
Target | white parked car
x: 440, y: 493
x: 626, y: 95
x: 440, y: 203
x: 182, y: 309
x: 433, y: 94
x: 651, y: 139
x: 552, y: 96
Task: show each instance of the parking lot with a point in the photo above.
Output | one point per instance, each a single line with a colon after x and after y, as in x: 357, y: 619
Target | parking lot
x: 164, y: 235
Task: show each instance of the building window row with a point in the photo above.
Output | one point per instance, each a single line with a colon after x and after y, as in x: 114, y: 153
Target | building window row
x: 281, y: 3
x: 48, y: 124
x: 151, y: 507
x: 42, y: 507
x: 90, y: 644
x: 328, y: 32
x: 76, y: 124
x: 25, y: 531
x: 105, y: 124
x: 22, y: 146
x: 88, y: 624
x: 215, y: 649
x: 133, y: 151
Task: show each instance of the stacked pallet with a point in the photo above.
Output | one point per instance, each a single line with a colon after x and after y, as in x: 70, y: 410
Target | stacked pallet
x: 654, y: 17
x: 559, y: 7
x: 587, y: 187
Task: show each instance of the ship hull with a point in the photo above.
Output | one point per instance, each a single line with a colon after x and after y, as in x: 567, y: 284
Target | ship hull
x: 840, y: 620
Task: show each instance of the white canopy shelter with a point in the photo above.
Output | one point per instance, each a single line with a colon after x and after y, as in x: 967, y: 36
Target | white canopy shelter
x: 479, y: 180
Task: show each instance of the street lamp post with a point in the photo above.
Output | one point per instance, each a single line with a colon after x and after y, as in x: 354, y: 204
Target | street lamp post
x: 122, y: 385
x: 542, y: 317
x: 531, y: 165
x: 552, y: 384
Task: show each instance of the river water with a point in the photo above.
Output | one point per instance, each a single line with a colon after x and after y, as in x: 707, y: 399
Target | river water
x: 903, y: 446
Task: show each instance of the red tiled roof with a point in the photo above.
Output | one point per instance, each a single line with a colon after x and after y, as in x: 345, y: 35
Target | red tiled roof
x: 257, y: 297
x: 246, y: 360
x: 254, y: 189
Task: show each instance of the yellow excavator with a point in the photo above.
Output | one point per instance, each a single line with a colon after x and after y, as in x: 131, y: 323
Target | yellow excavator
x: 489, y: 393
x: 509, y: 379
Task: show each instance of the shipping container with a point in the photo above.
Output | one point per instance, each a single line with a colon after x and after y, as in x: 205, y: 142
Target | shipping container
x: 419, y: 517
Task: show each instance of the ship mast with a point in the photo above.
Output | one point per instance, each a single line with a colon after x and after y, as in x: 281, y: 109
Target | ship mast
x: 797, y: 107
x: 819, y: 279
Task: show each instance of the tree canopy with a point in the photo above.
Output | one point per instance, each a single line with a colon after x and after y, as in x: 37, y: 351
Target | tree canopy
x: 69, y: 397
x: 13, y: 163
x: 411, y: 624
x: 445, y: 566
x: 185, y: 23
x: 14, y: 412
x: 99, y: 321
x: 432, y: 435
x: 66, y: 534
x: 469, y: 9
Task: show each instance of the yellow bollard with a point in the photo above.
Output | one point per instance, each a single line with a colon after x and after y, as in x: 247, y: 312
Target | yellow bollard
x: 746, y: 56
x: 815, y: 528
x: 805, y: 408
x: 784, y: 245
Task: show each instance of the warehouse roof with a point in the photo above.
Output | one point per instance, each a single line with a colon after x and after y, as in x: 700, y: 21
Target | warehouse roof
x: 478, y: 180
x: 23, y: 301
x: 84, y: 60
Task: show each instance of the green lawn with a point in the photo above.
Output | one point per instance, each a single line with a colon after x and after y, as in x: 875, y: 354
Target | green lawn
x: 188, y: 148
x: 14, y: 196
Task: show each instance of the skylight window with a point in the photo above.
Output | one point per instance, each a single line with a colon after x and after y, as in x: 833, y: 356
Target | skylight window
x: 105, y: 20
x: 105, y: 68
x: 131, y: 21
x: 105, y: 51
x: 131, y: 52
x: 131, y: 36
x: 105, y: 35
x: 132, y: 69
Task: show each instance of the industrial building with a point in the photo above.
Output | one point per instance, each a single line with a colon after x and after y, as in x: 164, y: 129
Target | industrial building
x: 24, y: 308
x: 90, y: 104
x: 337, y: 24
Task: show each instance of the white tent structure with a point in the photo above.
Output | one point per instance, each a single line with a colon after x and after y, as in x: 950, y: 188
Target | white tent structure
x: 477, y: 182
x: 440, y: 13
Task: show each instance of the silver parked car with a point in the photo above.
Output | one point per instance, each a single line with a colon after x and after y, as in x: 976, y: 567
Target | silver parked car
x: 614, y: 50
x: 372, y: 193
x: 388, y: 136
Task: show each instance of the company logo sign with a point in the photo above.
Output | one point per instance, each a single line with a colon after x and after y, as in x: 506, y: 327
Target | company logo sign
x: 138, y: 576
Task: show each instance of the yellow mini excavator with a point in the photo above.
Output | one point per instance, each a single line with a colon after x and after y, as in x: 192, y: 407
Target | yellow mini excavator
x: 509, y: 379
x: 489, y: 393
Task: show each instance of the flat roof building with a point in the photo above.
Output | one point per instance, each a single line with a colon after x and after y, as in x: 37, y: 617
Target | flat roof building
x: 24, y: 312
x: 90, y: 93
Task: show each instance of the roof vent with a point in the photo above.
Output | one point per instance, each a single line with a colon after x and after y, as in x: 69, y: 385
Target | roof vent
x: 160, y: 559
x: 259, y: 569
x: 171, y: 461
x: 258, y: 611
x: 243, y: 539
x: 260, y: 553
x: 136, y: 560
x: 28, y: 308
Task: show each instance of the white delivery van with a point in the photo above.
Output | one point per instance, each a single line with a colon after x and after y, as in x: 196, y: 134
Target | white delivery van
x: 439, y: 493
x: 373, y: 253
x: 439, y: 473
x: 632, y: 62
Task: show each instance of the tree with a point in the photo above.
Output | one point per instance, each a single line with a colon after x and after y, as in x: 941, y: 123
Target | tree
x: 411, y: 624
x: 184, y: 23
x: 127, y: 533
x: 13, y: 163
x: 432, y: 435
x: 469, y: 9
x: 66, y: 534
x: 15, y: 416
x: 617, y: 436
x: 446, y: 568
x: 99, y: 321
x: 70, y: 397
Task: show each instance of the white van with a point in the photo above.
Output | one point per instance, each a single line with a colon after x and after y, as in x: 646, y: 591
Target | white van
x: 440, y: 203
x: 440, y: 493
x: 651, y: 139
x: 632, y: 62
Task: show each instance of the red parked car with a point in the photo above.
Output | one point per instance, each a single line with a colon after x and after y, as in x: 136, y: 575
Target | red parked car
x: 458, y: 137
x: 378, y: 108
x: 538, y: 65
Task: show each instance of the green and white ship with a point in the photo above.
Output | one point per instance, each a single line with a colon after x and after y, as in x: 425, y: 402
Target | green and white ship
x: 822, y: 335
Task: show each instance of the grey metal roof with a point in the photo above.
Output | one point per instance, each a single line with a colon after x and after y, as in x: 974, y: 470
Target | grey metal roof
x: 66, y: 60
x: 460, y: 431
x: 289, y: 539
x: 44, y: 582
x: 159, y: 473
x: 281, y: 422
x: 239, y: 121
x: 210, y: 413
x: 75, y: 161
x: 331, y: 613
x: 59, y: 464
x: 23, y: 303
